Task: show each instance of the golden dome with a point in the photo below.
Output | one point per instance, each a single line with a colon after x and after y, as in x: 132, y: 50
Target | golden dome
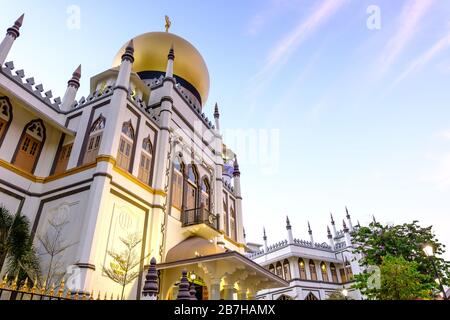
x: 150, y: 54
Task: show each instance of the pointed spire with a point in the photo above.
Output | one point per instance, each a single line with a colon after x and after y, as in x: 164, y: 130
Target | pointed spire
x: 329, y: 233
x: 309, y: 228
x: 332, y: 220
x: 348, y: 214
x: 374, y: 220
x: 345, y: 226
x: 216, y: 111
x: 288, y: 223
x: 245, y: 236
x: 183, y: 287
x: 14, y: 30
x: 129, y: 52
x: 76, y: 76
x: 236, y: 172
x: 358, y: 224
x: 264, y: 234
x: 171, y: 55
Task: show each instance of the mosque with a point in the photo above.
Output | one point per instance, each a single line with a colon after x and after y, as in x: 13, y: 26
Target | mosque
x: 138, y: 159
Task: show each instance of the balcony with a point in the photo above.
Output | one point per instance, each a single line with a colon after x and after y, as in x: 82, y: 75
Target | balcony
x: 197, y: 216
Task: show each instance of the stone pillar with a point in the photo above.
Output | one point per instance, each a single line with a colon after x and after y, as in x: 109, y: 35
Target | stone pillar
x: 228, y: 291
x: 98, y: 194
x: 214, y: 290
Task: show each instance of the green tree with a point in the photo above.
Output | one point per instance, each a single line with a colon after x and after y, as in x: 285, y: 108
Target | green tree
x: 16, y: 246
x: 338, y: 295
x: 122, y: 268
x: 377, y: 241
x: 400, y: 280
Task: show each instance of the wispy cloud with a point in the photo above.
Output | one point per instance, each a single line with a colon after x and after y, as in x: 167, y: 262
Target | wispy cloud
x: 426, y: 57
x: 409, y: 22
x: 290, y: 43
x: 268, y: 12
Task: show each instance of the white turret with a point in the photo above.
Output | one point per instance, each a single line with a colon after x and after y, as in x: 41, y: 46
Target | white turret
x: 11, y: 35
x: 333, y: 225
x: 72, y: 87
x: 216, y: 117
x: 170, y: 59
x: 349, y: 220
x: 289, y: 231
x: 330, y: 238
x: 266, y: 248
x: 110, y: 144
x: 311, y: 235
x: 348, y: 240
x: 237, y: 194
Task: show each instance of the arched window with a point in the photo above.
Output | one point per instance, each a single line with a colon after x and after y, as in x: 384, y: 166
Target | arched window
x: 206, y: 194
x: 348, y: 270
x: 312, y: 270
x: 145, y: 163
x: 279, y: 270
x: 333, y: 273
x: 191, y: 188
x: 324, y: 271
x: 177, y: 183
x: 95, y: 138
x: 30, y: 146
x: 287, y: 270
x: 5, y: 116
x: 63, y: 158
x: 125, y: 146
x: 272, y: 268
x: 311, y: 296
x: 233, y: 234
x: 302, y: 268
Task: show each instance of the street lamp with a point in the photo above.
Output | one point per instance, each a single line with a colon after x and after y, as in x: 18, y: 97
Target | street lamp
x: 345, y: 293
x: 429, y: 252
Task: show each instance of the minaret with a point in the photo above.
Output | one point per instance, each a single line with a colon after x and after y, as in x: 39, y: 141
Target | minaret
x: 348, y: 240
x: 333, y: 225
x: 110, y: 140
x: 217, y: 116
x: 72, y: 87
x: 170, y: 59
x: 265, y: 240
x: 99, y: 188
x: 330, y: 238
x: 373, y: 218
x: 311, y: 235
x: 11, y: 35
x: 289, y: 231
x: 237, y: 194
x: 349, y: 220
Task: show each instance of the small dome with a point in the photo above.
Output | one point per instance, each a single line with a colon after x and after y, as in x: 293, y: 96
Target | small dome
x: 191, y: 248
x: 150, y: 54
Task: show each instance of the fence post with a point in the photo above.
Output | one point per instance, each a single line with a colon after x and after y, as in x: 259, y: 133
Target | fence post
x: 150, y: 290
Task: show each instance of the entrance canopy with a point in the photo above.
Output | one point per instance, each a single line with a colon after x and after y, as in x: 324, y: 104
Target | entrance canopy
x: 228, y: 275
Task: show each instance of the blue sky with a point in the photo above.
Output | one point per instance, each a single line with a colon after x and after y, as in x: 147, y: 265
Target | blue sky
x: 361, y: 116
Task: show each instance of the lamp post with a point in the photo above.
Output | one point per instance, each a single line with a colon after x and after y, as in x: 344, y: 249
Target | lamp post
x: 429, y: 252
x: 345, y: 293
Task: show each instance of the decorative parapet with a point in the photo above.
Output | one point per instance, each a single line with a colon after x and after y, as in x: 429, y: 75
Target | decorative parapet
x: 340, y: 245
x: 228, y: 186
x: 140, y: 104
x: 30, y: 86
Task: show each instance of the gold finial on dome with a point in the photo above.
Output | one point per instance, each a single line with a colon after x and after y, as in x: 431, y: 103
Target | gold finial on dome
x: 168, y: 23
